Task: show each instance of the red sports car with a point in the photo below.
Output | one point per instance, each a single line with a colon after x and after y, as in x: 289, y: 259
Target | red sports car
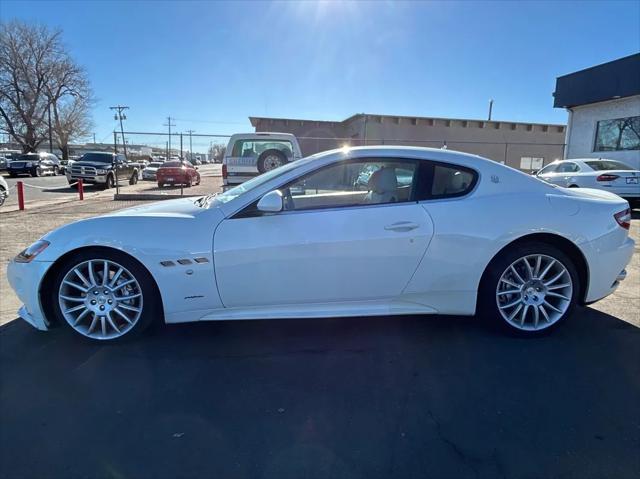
x: 177, y: 173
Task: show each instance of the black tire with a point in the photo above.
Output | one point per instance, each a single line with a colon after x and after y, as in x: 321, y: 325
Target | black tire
x: 151, y: 306
x: 56, y: 171
x: 36, y: 172
x: 110, y: 183
x: 13, y: 175
x: 189, y: 182
x: 3, y: 196
x: 574, y: 186
x: 160, y: 185
x: 264, y: 165
x: 134, y: 179
x: 487, y: 294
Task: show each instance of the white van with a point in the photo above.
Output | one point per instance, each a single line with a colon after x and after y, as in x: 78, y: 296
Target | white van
x: 250, y: 154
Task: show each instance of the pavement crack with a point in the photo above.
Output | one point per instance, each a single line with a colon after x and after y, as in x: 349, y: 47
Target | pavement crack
x: 467, y: 460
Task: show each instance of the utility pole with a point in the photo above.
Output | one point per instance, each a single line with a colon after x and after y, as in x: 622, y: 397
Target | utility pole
x: 169, y: 124
x: 94, y: 138
x: 490, y: 108
x: 190, y: 144
x: 121, y: 116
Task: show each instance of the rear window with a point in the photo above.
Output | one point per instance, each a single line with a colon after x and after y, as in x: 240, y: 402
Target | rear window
x: 253, y: 148
x: 450, y: 181
x: 171, y: 164
x: 155, y: 164
x: 604, y: 165
x: 99, y: 157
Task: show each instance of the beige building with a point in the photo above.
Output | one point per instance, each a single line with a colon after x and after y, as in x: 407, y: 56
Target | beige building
x: 527, y: 146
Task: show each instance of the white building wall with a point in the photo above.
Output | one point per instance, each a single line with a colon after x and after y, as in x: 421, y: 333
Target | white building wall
x: 581, y: 131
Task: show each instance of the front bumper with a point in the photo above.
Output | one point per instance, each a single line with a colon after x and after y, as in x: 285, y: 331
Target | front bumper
x: 98, y: 179
x: 25, y: 279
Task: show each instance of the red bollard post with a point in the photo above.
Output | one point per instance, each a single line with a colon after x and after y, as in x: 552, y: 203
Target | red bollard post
x: 20, y: 188
x: 80, y: 189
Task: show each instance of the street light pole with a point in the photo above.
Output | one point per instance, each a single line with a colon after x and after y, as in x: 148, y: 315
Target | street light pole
x: 121, y: 116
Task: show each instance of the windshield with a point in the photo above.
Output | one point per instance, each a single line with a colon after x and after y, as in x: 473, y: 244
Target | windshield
x: 29, y: 157
x: 97, y: 157
x: 605, y: 165
x: 255, y: 182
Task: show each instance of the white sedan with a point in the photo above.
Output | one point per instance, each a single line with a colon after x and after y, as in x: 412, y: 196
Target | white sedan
x: 609, y: 175
x: 353, y: 232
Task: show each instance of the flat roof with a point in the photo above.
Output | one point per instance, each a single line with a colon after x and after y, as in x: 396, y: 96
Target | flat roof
x: 609, y: 81
x: 254, y: 119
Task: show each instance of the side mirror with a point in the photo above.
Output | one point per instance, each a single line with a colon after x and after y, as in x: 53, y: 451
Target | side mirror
x: 271, y: 202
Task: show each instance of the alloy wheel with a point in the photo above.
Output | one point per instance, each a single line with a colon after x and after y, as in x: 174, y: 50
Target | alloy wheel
x: 100, y: 299
x: 534, y: 292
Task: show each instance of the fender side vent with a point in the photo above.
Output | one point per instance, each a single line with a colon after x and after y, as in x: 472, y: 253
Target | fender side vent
x: 184, y: 261
x: 201, y: 260
x: 167, y: 263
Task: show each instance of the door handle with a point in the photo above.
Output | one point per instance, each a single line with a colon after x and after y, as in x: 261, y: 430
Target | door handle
x: 402, y: 226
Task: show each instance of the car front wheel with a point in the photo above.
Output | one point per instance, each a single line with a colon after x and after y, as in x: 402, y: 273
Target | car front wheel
x: 530, y: 288
x: 104, y: 296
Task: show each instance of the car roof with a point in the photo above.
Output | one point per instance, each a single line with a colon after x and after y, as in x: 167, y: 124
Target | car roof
x: 262, y: 135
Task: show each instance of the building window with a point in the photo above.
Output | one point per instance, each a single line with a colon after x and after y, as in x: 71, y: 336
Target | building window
x: 531, y: 163
x: 618, y: 134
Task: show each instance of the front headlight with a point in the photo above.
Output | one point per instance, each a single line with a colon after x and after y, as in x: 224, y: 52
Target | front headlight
x: 101, y: 171
x: 27, y: 255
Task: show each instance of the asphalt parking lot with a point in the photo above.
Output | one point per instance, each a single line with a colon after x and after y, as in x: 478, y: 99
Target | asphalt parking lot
x: 438, y: 397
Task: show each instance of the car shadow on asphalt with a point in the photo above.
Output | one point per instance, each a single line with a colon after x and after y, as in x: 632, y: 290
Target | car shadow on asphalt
x: 352, y: 397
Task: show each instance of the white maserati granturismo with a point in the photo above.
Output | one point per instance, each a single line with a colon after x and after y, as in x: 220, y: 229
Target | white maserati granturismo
x: 352, y: 232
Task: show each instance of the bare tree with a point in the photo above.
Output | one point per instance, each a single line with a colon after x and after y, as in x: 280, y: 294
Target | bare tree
x: 71, y: 121
x: 35, y: 73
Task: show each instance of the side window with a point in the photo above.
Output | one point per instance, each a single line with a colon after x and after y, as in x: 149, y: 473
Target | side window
x: 367, y: 182
x: 568, y: 168
x: 120, y: 158
x: 451, y: 181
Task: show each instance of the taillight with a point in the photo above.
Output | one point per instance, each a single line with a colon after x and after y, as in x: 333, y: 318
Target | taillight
x: 224, y: 171
x: 607, y: 177
x: 624, y: 218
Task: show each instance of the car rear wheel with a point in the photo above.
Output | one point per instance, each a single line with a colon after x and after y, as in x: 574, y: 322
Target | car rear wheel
x: 56, y: 171
x: 529, y: 289
x: 134, y: 179
x: 104, y: 296
x: 37, y: 172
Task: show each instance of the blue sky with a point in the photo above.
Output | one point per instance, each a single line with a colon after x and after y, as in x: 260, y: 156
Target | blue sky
x: 212, y: 64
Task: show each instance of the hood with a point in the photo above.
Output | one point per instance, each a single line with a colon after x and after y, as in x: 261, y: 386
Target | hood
x: 95, y: 164
x: 179, y: 208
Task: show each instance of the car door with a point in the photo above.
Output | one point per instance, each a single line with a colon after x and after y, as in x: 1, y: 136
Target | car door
x: 123, y: 169
x: 565, y: 172
x: 333, y: 242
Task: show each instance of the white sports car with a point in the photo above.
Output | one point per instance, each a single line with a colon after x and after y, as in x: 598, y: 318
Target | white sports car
x: 353, y: 232
x: 608, y: 175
